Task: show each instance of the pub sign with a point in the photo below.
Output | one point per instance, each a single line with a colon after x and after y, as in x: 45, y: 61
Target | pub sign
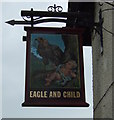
x: 54, y: 67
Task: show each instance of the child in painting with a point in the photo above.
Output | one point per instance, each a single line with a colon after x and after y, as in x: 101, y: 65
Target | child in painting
x: 63, y: 72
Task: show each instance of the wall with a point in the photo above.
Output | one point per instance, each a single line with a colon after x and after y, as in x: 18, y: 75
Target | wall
x: 102, y: 66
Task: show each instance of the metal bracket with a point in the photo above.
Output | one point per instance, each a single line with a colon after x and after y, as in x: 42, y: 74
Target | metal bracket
x: 55, y: 8
x: 36, y: 17
x: 99, y: 29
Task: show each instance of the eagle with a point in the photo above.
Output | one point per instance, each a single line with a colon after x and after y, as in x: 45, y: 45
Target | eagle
x: 49, y: 53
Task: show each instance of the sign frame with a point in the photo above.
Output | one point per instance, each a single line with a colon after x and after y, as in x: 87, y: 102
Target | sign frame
x: 54, y: 102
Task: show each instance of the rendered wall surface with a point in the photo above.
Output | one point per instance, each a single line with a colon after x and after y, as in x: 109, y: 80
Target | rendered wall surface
x: 102, y: 66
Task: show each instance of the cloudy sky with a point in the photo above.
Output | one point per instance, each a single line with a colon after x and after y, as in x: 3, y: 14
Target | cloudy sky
x: 13, y: 67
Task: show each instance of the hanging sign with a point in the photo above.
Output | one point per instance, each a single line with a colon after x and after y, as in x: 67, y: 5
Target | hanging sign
x: 54, y: 68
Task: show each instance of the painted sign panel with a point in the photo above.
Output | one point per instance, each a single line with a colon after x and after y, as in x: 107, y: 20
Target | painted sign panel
x: 54, y: 67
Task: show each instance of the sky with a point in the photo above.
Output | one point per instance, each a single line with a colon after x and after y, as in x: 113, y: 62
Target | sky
x: 0, y: 62
x: 13, y: 67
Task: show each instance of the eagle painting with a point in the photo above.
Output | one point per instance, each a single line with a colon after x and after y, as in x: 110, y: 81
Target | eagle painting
x: 49, y: 53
